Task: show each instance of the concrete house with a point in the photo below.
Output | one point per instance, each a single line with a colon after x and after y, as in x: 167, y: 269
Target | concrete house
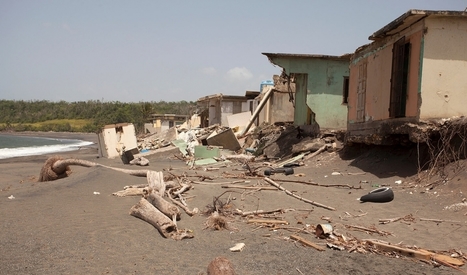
x: 162, y: 122
x: 321, y: 85
x: 414, y: 71
x: 214, y: 109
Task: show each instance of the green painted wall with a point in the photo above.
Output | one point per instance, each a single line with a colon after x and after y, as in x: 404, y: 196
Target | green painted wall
x: 325, y: 87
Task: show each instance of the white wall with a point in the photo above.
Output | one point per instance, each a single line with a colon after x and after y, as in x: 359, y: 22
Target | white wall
x: 444, y: 72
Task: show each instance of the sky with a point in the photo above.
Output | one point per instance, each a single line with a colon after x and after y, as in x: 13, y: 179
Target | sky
x: 151, y: 51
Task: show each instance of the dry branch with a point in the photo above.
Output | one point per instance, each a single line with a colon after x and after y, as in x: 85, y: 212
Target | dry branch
x: 185, y: 208
x: 256, y: 212
x: 298, y: 197
x: 307, y: 242
x: 439, y: 221
x: 257, y: 188
x: 369, y: 230
x: 267, y: 221
x: 320, y: 185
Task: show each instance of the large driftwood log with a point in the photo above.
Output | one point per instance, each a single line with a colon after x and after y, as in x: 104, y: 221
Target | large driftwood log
x: 167, y: 208
x: 55, y: 168
x: 149, y: 213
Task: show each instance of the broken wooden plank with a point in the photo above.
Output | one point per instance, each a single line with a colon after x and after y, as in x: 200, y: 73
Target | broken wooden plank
x: 307, y: 242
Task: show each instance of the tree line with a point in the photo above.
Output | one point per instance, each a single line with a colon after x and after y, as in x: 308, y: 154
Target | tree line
x: 34, y: 115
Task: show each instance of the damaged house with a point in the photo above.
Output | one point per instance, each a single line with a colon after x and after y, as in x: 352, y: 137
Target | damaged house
x: 321, y: 86
x: 413, y: 73
x: 215, y: 109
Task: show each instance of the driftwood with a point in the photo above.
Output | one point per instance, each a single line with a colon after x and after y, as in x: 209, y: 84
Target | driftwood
x: 156, y: 182
x: 184, y: 207
x: 256, y: 212
x: 220, y: 266
x: 439, y: 221
x: 149, y: 213
x: 369, y: 230
x: 320, y: 185
x: 298, y: 197
x: 257, y: 188
x: 419, y: 254
x: 56, y: 168
x: 162, y: 205
x: 131, y: 191
x: 307, y: 242
x: 319, y: 151
x: 267, y: 221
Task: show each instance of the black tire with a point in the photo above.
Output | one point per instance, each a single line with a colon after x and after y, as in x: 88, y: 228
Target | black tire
x: 383, y: 194
x: 286, y: 171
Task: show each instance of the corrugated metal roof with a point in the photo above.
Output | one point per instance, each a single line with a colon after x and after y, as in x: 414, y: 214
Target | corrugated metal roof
x: 409, y: 18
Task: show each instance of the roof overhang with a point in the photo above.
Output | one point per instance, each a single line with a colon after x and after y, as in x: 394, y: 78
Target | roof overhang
x: 272, y: 56
x: 409, y: 18
x: 222, y: 97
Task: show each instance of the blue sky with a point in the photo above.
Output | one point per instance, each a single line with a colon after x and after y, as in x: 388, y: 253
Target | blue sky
x: 134, y: 50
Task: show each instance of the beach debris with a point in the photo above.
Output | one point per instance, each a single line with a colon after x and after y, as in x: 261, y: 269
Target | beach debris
x: 286, y: 171
x: 167, y: 208
x: 383, y: 194
x: 96, y: 193
x: 141, y: 161
x: 259, y: 212
x: 421, y: 254
x: 320, y: 185
x: 56, y: 167
x: 336, y: 174
x: 149, y: 213
x: 296, y: 196
x: 407, y: 218
x: 166, y: 227
x: 440, y: 221
x: 216, y: 221
x: 307, y: 242
x: 238, y: 247
x: 267, y: 221
x: 220, y: 266
x: 130, y: 191
x: 457, y: 206
x: 323, y: 230
x: 11, y: 197
x: 368, y: 230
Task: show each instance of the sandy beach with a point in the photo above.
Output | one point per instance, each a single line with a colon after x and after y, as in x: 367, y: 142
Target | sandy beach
x: 75, y: 225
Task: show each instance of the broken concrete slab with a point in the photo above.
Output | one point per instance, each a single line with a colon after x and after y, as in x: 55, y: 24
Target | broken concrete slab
x: 202, y: 152
x: 226, y: 139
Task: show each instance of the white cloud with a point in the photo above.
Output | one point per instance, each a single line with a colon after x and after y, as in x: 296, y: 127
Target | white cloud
x: 239, y: 74
x: 209, y: 71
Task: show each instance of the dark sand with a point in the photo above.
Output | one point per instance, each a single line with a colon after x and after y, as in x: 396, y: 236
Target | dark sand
x: 62, y: 227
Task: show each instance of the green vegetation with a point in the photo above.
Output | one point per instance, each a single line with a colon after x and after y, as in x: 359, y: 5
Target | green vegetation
x: 82, y: 116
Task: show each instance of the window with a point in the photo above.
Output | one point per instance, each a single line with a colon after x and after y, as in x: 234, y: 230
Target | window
x: 345, y: 92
